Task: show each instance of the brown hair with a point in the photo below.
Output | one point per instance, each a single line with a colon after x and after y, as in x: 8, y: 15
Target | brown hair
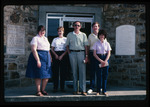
x: 61, y: 28
x: 76, y: 22
x: 95, y: 23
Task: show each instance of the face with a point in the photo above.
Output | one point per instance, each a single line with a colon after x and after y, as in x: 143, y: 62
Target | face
x: 101, y: 37
x: 77, y: 26
x: 42, y: 32
x: 60, y: 32
x: 95, y: 27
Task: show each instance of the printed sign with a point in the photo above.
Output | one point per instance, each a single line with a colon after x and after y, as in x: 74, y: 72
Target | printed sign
x: 125, y: 40
x: 15, y: 39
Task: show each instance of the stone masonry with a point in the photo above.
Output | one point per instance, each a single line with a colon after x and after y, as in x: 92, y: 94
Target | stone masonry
x: 128, y: 71
x: 15, y: 65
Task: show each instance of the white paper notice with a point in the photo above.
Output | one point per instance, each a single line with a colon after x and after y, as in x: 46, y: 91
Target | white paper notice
x: 125, y: 40
x: 15, y: 39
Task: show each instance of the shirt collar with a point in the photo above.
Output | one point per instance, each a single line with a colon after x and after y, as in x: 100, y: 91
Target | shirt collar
x: 40, y: 36
x: 94, y: 34
x: 75, y: 33
x: 103, y: 42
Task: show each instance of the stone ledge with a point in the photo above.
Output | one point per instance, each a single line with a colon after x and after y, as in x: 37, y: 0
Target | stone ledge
x: 74, y: 98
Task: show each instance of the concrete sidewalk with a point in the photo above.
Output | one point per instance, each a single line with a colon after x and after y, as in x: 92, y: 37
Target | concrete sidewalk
x: 27, y: 94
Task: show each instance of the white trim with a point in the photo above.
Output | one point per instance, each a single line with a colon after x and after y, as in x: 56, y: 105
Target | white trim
x: 63, y: 18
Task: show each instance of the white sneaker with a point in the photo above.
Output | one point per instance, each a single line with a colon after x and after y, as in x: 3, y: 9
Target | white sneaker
x: 90, y: 91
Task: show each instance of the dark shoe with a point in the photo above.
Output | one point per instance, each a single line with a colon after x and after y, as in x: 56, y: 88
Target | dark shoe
x: 44, y: 92
x: 106, y: 94
x: 76, y: 93
x: 84, y: 93
x: 39, y: 94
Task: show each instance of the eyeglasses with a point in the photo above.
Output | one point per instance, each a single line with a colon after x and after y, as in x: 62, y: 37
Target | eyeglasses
x: 77, y: 25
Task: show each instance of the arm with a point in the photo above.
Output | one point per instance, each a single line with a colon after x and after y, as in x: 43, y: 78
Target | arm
x: 50, y: 55
x: 35, y: 54
x: 95, y: 55
x: 108, y: 56
x: 68, y: 50
x: 60, y: 57
x: 56, y: 56
x: 86, y: 54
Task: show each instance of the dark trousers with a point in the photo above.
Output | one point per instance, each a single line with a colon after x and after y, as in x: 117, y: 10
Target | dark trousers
x: 59, y: 70
x: 102, y: 74
x: 92, y: 70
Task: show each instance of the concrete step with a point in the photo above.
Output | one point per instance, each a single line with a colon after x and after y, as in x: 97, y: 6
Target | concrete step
x: 27, y: 94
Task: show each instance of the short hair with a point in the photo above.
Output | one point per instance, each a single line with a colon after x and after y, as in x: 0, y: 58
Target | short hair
x: 40, y: 27
x: 76, y: 22
x: 95, y: 23
x: 102, y: 31
x: 60, y: 28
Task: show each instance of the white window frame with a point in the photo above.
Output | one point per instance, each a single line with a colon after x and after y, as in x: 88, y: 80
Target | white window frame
x: 64, y: 18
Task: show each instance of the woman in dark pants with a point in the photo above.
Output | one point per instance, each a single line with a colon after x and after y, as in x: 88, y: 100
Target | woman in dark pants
x: 102, y: 51
x: 59, y: 60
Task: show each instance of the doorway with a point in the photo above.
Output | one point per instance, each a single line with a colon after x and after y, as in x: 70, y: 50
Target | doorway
x: 55, y: 20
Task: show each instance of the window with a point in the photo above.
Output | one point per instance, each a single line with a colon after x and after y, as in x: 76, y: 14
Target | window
x: 52, y: 26
x: 55, y: 20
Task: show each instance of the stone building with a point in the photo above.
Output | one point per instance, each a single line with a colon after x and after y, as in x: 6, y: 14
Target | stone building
x: 20, y: 26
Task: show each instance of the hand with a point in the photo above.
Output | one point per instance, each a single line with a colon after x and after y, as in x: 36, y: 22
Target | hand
x: 102, y: 63
x: 56, y: 56
x: 38, y: 64
x: 60, y: 57
x: 86, y: 60
x: 51, y: 59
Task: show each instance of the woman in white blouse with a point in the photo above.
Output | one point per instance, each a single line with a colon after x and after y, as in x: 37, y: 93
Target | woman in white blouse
x: 102, y: 52
x: 59, y: 60
x: 39, y: 62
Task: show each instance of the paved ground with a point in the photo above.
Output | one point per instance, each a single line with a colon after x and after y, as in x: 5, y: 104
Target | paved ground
x: 27, y: 94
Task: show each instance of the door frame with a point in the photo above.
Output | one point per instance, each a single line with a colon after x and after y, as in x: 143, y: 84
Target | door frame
x: 95, y: 11
x: 63, y: 17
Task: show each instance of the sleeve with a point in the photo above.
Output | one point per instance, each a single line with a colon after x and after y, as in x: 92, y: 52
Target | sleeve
x: 108, y: 47
x: 85, y: 40
x: 33, y: 41
x: 53, y: 43
x: 67, y: 41
x: 89, y: 40
x: 94, y: 46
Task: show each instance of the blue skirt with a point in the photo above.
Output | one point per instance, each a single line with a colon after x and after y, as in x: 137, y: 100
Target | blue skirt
x: 44, y: 71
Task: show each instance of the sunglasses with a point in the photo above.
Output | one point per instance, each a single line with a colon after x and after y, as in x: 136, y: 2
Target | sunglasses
x: 77, y: 25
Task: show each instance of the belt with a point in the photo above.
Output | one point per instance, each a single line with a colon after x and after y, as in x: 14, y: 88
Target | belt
x: 102, y: 54
x: 76, y: 50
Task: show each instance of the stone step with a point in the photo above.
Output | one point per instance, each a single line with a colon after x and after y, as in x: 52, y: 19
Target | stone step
x: 27, y: 94
x: 31, y: 98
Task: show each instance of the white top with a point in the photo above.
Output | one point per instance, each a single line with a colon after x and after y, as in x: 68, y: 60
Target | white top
x: 59, y: 43
x: 42, y: 43
x: 101, y: 48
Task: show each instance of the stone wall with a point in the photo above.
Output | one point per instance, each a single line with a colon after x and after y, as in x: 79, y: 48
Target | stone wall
x: 15, y: 65
x: 129, y: 70
x: 124, y: 70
